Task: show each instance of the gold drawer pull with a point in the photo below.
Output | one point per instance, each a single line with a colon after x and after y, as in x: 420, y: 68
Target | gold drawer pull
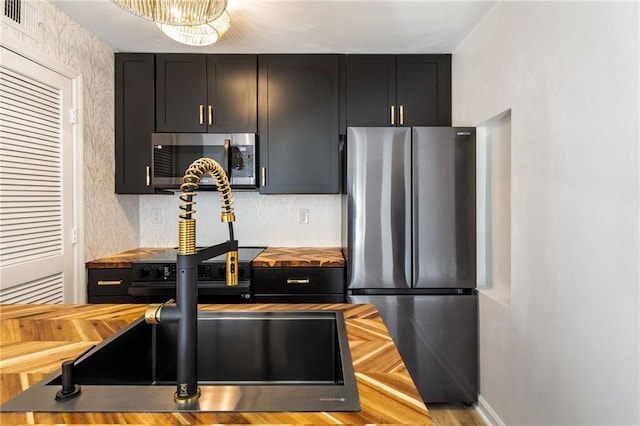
x: 105, y: 282
x: 298, y: 281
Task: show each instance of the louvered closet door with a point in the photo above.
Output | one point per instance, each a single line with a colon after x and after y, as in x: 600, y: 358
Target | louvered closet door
x: 36, y: 190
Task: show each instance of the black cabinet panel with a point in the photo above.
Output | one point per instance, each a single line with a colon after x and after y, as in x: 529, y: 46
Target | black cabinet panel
x: 181, y: 87
x: 134, y: 121
x: 371, y: 89
x: 424, y: 89
x: 299, y: 109
x: 206, y: 93
x: 402, y: 90
x: 232, y: 93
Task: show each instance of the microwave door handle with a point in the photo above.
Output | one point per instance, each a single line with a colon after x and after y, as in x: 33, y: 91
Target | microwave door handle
x: 227, y: 158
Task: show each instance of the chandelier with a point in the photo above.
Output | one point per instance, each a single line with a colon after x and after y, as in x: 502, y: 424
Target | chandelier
x: 198, y: 35
x: 193, y: 22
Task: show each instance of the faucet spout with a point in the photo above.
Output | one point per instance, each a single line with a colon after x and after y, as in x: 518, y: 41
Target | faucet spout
x: 185, y: 312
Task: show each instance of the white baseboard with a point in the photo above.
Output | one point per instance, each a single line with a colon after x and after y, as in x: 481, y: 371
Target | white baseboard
x: 487, y: 414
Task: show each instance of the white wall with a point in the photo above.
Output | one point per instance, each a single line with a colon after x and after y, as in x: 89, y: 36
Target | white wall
x: 261, y: 220
x: 566, y: 350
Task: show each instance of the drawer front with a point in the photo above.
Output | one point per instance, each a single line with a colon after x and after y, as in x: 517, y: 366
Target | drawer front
x: 298, y: 280
x: 300, y: 298
x: 109, y: 282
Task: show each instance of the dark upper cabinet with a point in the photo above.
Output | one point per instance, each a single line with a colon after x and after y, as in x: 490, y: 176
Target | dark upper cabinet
x: 371, y: 89
x: 198, y: 93
x: 299, y: 128
x: 402, y: 90
x: 134, y: 121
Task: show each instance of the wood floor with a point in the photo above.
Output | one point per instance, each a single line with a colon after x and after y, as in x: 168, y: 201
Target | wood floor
x: 454, y: 415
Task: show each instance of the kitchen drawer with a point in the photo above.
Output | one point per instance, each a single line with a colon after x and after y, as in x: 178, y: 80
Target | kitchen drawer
x: 300, y: 298
x: 109, y: 282
x: 298, y: 281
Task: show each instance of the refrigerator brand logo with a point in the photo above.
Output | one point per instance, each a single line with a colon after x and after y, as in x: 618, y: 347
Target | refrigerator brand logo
x: 331, y: 399
x: 464, y: 133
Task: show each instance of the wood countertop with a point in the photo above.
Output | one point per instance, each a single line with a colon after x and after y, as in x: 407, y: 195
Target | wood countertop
x: 297, y: 257
x: 294, y: 257
x: 35, y: 339
x: 123, y: 259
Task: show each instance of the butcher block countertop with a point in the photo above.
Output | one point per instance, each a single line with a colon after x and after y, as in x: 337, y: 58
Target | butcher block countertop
x: 123, y: 259
x: 35, y: 339
x: 296, y: 257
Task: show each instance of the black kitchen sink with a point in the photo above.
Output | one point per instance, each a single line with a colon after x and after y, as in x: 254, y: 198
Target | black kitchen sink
x: 247, y: 361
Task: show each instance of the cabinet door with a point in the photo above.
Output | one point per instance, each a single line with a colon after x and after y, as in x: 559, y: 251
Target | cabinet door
x: 298, y: 105
x: 232, y: 99
x: 134, y: 121
x: 181, y: 91
x: 424, y: 90
x: 371, y: 89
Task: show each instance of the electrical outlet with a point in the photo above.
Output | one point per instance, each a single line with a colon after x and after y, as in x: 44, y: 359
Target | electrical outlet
x: 303, y: 216
x: 156, y: 216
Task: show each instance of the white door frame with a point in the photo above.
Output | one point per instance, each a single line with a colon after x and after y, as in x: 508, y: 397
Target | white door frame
x: 23, y: 49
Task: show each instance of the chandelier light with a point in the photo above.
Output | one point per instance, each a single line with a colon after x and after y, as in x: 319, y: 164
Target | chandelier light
x: 198, y: 35
x: 175, y: 12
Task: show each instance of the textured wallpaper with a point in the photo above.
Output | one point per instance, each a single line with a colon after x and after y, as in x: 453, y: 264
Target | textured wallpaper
x: 111, y: 222
x: 114, y: 223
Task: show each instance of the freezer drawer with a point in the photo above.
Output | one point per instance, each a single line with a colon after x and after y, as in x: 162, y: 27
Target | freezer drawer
x: 437, y: 336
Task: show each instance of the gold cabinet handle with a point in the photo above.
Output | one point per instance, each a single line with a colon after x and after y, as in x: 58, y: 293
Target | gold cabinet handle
x: 107, y: 282
x: 210, y: 114
x: 148, y: 176
x: 393, y: 115
x: 263, y: 176
x: 401, y: 111
x: 201, y: 114
x: 298, y: 281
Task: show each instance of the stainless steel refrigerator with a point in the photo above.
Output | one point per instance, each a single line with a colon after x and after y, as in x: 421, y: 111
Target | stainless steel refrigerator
x: 411, y: 248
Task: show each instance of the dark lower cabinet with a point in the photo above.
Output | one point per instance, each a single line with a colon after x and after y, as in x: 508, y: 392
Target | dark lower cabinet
x: 402, y: 90
x: 299, y: 285
x: 299, y: 126
x: 110, y: 285
x: 134, y: 121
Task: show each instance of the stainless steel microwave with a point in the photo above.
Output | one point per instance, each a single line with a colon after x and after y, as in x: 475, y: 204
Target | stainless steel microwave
x: 172, y: 153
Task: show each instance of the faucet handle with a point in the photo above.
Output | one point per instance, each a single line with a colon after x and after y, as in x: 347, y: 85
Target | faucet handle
x: 232, y: 268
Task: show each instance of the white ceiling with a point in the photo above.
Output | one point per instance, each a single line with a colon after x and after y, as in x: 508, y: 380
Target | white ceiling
x: 299, y: 26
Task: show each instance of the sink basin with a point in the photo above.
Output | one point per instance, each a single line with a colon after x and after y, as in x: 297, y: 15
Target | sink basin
x: 247, y: 361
